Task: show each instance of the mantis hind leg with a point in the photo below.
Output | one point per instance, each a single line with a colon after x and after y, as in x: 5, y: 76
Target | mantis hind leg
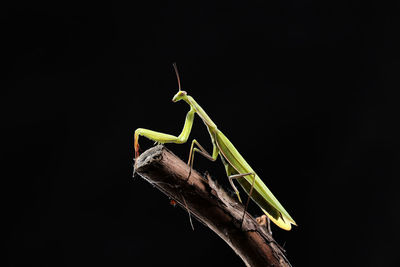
x: 234, y: 187
x: 251, y: 189
x: 240, y: 175
x: 233, y: 174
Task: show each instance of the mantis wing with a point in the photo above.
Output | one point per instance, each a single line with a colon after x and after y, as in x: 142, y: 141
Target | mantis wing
x: 261, y: 194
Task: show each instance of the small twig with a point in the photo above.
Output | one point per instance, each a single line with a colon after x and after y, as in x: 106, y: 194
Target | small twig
x: 188, y: 210
x: 211, y: 205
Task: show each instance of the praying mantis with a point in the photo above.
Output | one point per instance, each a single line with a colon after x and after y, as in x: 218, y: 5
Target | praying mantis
x: 236, y: 166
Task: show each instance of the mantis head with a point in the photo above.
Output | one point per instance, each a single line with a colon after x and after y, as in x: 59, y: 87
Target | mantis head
x: 181, y: 94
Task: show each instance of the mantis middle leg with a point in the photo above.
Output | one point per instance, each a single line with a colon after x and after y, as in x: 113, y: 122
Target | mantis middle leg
x: 202, y: 152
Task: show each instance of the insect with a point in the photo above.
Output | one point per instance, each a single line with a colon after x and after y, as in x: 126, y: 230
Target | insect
x: 172, y: 202
x: 235, y: 165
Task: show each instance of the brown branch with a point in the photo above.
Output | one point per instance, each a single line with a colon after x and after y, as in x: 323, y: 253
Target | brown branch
x: 212, y: 206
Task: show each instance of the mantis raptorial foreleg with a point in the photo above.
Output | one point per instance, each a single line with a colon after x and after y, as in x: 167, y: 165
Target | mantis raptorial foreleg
x: 166, y: 138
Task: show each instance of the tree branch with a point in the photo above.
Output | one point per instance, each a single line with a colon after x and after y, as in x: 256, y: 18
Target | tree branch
x: 212, y: 206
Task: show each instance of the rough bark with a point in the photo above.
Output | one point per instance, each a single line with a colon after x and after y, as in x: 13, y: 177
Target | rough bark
x: 212, y: 206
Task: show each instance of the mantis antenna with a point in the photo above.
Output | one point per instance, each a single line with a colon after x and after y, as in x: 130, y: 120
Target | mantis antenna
x: 177, y: 75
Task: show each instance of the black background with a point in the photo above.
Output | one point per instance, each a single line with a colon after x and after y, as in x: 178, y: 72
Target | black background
x: 307, y: 92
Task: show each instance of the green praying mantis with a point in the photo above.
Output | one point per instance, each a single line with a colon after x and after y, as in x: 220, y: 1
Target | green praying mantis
x: 235, y: 165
